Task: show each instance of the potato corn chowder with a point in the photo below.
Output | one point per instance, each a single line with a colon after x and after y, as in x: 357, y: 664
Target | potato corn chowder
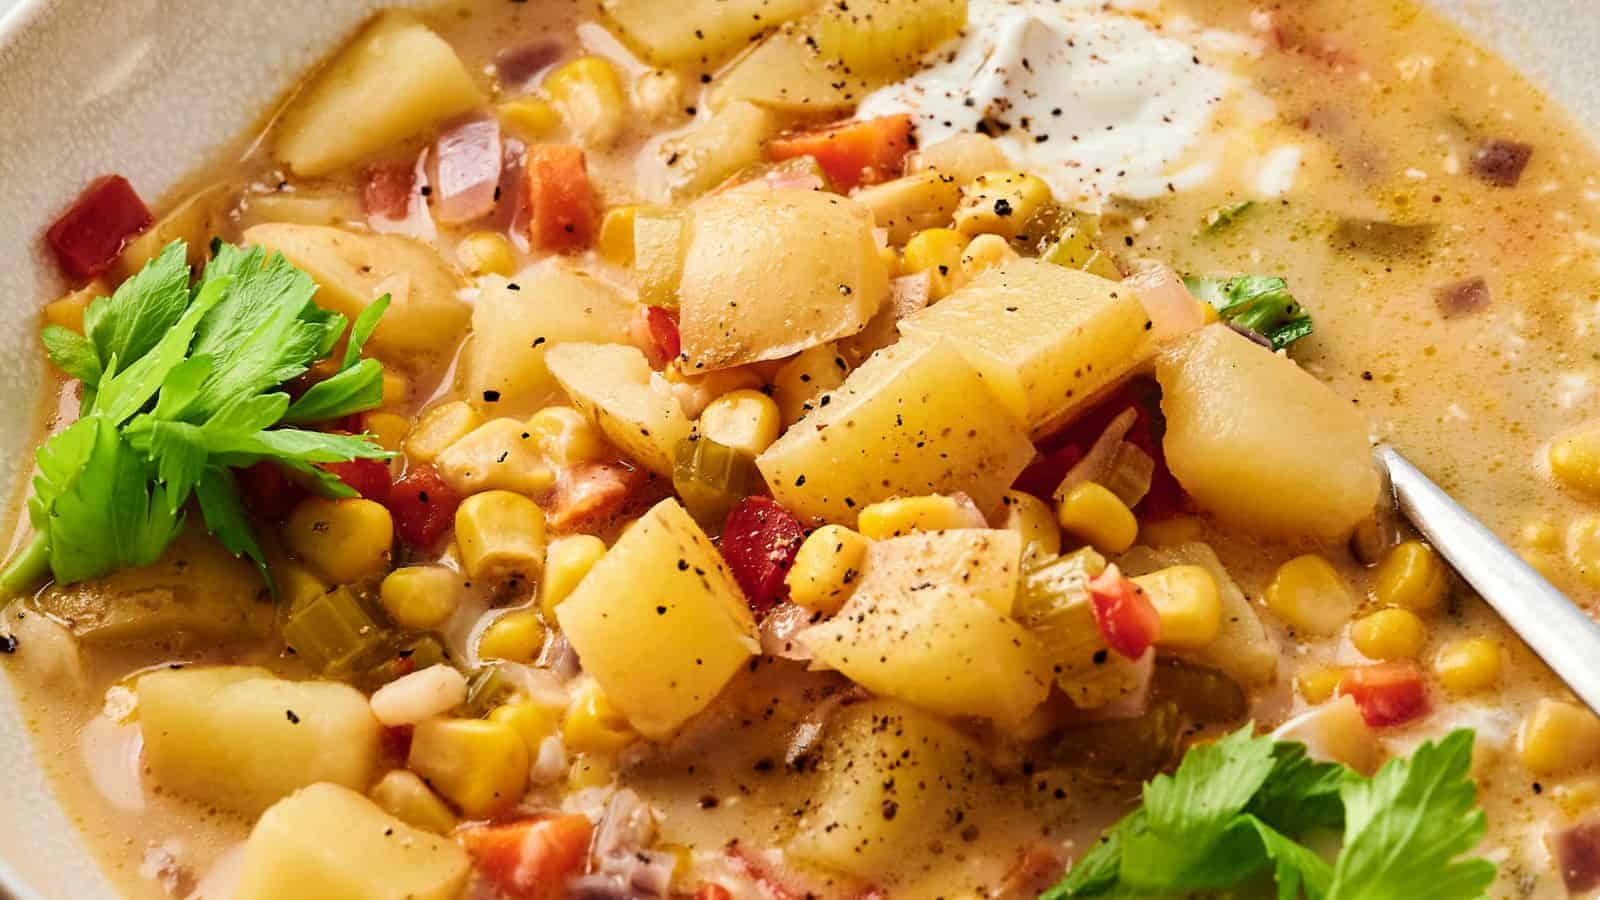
x: 778, y: 449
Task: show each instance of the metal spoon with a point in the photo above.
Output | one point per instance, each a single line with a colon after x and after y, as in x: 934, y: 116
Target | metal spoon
x: 1562, y: 634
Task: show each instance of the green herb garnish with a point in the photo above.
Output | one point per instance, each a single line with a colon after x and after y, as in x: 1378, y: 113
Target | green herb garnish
x: 1239, y: 808
x: 181, y: 385
x: 1257, y: 303
x: 1225, y: 215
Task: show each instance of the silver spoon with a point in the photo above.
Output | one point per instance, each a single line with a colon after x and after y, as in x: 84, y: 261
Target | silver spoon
x: 1562, y: 634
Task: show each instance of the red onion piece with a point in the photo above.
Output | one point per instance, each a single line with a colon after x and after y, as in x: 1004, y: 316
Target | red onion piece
x: 1500, y: 163
x: 780, y: 629
x: 466, y: 168
x: 1173, y: 311
x: 1463, y: 298
x: 1577, y: 852
x: 416, y: 222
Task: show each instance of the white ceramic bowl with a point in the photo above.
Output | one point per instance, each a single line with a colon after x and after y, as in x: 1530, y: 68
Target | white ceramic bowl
x: 153, y: 89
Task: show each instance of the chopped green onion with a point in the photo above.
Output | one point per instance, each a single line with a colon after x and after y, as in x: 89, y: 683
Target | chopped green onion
x: 487, y: 688
x: 711, y: 477
x: 1225, y: 215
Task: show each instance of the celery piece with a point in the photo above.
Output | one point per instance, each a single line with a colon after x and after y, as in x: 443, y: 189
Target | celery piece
x: 710, y: 478
x: 412, y: 655
x: 1076, y: 246
x: 488, y: 687
x: 658, y: 239
x: 333, y: 632
x: 1047, y: 587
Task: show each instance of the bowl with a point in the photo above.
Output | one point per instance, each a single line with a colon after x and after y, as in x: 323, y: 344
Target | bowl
x: 154, y: 89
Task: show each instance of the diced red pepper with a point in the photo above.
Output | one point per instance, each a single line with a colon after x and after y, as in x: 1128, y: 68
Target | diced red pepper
x: 386, y: 190
x: 530, y: 859
x: 589, y: 492
x: 1128, y: 621
x: 90, y: 235
x: 713, y: 892
x: 1390, y: 693
x: 423, y: 506
x: 760, y: 540
x: 658, y: 335
x: 368, y: 477
x: 1045, y: 474
x: 563, y: 213
x: 268, y: 491
x: 1061, y: 451
x: 395, y: 741
x: 852, y: 153
x: 1577, y: 852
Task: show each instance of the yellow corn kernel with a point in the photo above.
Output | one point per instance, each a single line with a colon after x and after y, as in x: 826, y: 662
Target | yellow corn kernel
x: 408, y: 798
x: 1172, y: 531
x: 1190, y: 607
x: 1309, y: 595
x: 825, y: 570
x: 984, y: 253
x: 1470, y: 665
x: 566, y: 563
x: 486, y: 253
x: 566, y: 436
x: 1558, y: 737
x: 68, y: 311
x: 1032, y: 518
x: 1389, y: 634
x: 396, y: 390
x: 388, y: 430
x: 501, y: 454
x: 479, y: 765
x: 529, y: 118
x: 440, y: 427
x: 1001, y: 203
x: 531, y: 721
x: 936, y: 251
x: 1583, y: 547
x: 1411, y: 577
x: 1578, y: 798
x: 616, y: 236
x: 1316, y: 684
x: 1541, y: 534
x: 593, y: 725
x: 590, y: 771
x: 695, y: 392
x: 1093, y: 514
x: 517, y: 636
x: 745, y: 420
x: 344, y: 541
x: 420, y: 597
x: 591, y: 98
x: 1575, y: 458
x: 501, y: 535
x: 904, y: 515
x: 891, y: 260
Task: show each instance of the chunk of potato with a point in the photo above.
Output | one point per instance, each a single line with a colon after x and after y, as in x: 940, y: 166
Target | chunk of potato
x: 709, y: 153
x: 659, y: 621
x: 1243, y: 648
x: 333, y: 838
x: 962, y: 157
x: 1046, y: 338
x: 1261, y: 443
x: 911, y: 204
x: 199, y: 218
x: 915, y: 419
x: 240, y: 738
x: 636, y: 408
x: 785, y: 72
x: 513, y: 327
x: 894, y: 779
x: 980, y: 562
x: 425, y: 318
x: 393, y: 81
x: 675, y: 31
x: 767, y: 274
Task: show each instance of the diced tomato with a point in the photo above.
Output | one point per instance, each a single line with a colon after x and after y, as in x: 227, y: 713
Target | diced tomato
x: 423, y: 506
x: 1045, y: 474
x: 530, y: 859
x: 1390, y: 693
x: 1577, y: 852
x: 658, y: 336
x: 852, y: 153
x: 90, y: 235
x: 1061, y: 451
x: 268, y: 491
x: 713, y: 892
x: 386, y: 189
x: 589, y: 492
x: 563, y: 213
x: 368, y: 477
x: 759, y: 541
x: 395, y: 741
x: 1128, y: 621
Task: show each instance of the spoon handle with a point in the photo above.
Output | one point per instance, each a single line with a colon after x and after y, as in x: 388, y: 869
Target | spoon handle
x: 1562, y: 634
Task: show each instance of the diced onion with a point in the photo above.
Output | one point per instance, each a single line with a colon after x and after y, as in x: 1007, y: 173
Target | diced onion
x: 467, y: 162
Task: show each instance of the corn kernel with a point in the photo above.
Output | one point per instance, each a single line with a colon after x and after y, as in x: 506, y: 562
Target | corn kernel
x: 1541, y: 534
x: 486, y: 253
x: 744, y: 420
x: 1316, y: 684
x: 531, y: 721
x: 566, y: 437
x: 440, y: 427
x: 984, y: 253
x: 1412, y: 577
x: 905, y: 515
x: 594, y: 725
x: 1093, y: 514
x: 344, y: 541
x: 396, y: 390
x: 1171, y: 531
x: 501, y: 535
x: 1186, y: 597
x: 936, y: 251
x: 408, y: 798
x: 420, y: 597
x: 1558, y: 737
x: 591, y: 771
x: 1308, y: 594
x: 501, y: 454
x: 68, y: 311
x: 696, y: 392
x: 1001, y: 203
x: 825, y: 570
x: 1389, y: 634
x: 1032, y: 518
x: 591, y: 98
x: 566, y: 563
x: 616, y: 236
x: 517, y: 636
x: 388, y: 430
x: 529, y: 118
x: 479, y: 765
x: 1575, y: 458
x: 1583, y: 547
x: 1470, y: 665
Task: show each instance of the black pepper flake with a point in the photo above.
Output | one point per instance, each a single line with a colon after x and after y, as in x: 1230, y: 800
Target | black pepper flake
x: 1002, y: 207
x: 427, y: 191
x: 661, y: 610
x: 491, y: 396
x: 8, y: 643
x: 293, y: 719
x: 800, y: 481
x: 513, y: 286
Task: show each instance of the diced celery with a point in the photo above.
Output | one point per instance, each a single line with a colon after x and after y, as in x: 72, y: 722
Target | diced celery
x: 412, y: 655
x: 487, y: 688
x: 333, y: 632
x: 658, y: 234
x: 1124, y: 750
x: 1076, y: 246
x: 710, y: 478
x: 1047, y: 586
x: 1054, y: 605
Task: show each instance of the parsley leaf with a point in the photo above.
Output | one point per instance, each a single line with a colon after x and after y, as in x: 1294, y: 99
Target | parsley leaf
x: 357, y: 386
x: 1255, y: 303
x: 72, y: 354
x: 130, y: 322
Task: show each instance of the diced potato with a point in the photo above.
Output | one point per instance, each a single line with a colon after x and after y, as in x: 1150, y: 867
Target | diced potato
x: 342, y: 843
x: 240, y: 738
x: 500, y: 454
x: 195, y: 221
x: 963, y: 157
x: 800, y: 381
x: 1242, y: 648
x: 730, y: 140
x: 915, y: 419
x: 659, y: 621
x: 512, y: 328
x: 1335, y: 732
x: 785, y: 72
x: 675, y: 31
x: 403, y: 794
x: 613, y: 386
x: 424, y: 318
x: 1047, y: 339
x: 302, y: 206
x: 893, y: 780
x: 980, y: 562
x: 908, y: 205
x: 393, y: 81
x: 1261, y: 443
x: 767, y: 274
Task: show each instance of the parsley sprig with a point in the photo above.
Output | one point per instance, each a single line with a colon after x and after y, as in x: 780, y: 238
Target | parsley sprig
x: 1256, y: 303
x: 182, y: 383
x: 1239, y: 807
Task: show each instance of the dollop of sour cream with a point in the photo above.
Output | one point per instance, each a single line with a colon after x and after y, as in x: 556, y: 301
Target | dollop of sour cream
x: 1095, y: 100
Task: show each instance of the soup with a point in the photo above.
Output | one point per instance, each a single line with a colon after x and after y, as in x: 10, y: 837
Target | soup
x: 763, y: 449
